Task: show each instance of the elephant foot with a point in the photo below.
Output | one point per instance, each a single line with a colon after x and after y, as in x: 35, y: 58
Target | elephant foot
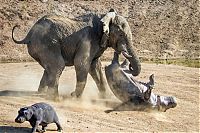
x: 102, y: 95
x: 108, y: 111
x: 53, y: 95
x: 74, y: 94
x: 54, y: 98
x: 42, y: 90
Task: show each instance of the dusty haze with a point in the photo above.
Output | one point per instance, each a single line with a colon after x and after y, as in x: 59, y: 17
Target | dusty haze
x: 19, y: 81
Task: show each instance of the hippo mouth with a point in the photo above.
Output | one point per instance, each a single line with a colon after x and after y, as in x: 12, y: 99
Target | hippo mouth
x: 20, y: 120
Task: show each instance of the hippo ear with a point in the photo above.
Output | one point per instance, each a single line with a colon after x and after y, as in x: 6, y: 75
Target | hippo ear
x: 24, y: 108
x: 21, y: 109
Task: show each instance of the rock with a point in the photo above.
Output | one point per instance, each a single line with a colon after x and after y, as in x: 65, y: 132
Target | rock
x: 44, y: 1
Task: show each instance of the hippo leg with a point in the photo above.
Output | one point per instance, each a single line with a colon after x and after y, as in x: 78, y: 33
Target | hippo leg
x: 58, y: 126
x: 44, y: 128
x: 151, y: 81
x: 39, y: 130
x: 35, y: 127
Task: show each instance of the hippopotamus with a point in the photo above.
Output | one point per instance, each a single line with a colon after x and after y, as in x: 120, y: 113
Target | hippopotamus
x: 134, y: 94
x: 38, y: 114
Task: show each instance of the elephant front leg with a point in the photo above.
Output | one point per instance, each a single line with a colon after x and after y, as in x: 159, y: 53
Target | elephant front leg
x: 82, y: 66
x: 97, y: 75
x: 81, y: 77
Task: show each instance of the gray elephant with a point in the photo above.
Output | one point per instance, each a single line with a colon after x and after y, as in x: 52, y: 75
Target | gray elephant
x: 135, y: 95
x: 56, y: 41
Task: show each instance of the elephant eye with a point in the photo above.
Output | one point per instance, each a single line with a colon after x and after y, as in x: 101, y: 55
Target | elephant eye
x: 121, y: 35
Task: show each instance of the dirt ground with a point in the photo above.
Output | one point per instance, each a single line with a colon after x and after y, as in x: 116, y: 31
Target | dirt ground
x: 19, y: 82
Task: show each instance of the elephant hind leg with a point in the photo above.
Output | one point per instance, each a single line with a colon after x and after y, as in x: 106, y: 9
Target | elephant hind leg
x: 81, y: 77
x: 54, y: 73
x: 43, y: 83
x: 53, y: 65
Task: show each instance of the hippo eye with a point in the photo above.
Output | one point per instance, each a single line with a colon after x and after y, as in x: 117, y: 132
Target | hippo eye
x: 25, y: 113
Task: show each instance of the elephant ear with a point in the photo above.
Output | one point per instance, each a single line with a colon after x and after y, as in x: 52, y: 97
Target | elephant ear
x: 106, y: 20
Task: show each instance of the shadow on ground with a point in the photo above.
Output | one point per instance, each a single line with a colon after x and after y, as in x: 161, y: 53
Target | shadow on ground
x: 19, y: 93
x: 115, y: 105
x: 11, y: 129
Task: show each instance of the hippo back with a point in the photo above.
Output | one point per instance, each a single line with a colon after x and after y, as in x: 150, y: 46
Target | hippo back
x: 120, y: 83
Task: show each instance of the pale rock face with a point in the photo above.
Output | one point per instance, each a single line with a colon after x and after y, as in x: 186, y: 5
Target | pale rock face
x: 44, y: 1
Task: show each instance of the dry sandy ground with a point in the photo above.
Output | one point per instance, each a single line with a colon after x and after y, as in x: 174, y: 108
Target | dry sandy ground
x: 19, y: 81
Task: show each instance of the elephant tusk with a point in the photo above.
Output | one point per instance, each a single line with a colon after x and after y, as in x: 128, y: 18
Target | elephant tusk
x: 126, y: 54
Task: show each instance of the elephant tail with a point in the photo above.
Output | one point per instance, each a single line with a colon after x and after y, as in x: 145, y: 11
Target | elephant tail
x: 24, y: 41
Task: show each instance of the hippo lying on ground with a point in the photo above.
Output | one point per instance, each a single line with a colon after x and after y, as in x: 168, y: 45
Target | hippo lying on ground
x: 38, y: 114
x: 135, y: 95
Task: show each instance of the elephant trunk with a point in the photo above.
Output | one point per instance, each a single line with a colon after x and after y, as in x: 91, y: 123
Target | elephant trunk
x: 135, y: 66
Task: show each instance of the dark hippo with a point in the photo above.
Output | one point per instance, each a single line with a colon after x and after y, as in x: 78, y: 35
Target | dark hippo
x: 38, y: 114
x: 134, y: 94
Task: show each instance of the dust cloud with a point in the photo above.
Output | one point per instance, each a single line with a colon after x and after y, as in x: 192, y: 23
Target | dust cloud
x: 20, y: 82
x: 87, y: 113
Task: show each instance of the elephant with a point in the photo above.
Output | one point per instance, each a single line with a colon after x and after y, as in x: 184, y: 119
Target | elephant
x: 135, y: 95
x: 57, y: 41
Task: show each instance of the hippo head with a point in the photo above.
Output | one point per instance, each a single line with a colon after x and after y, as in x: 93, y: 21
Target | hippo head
x: 165, y: 102
x: 24, y: 114
x: 140, y: 94
x: 162, y: 103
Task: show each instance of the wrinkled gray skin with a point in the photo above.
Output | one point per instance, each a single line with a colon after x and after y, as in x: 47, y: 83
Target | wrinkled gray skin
x: 56, y: 41
x: 38, y: 114
x: 134, y: 94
